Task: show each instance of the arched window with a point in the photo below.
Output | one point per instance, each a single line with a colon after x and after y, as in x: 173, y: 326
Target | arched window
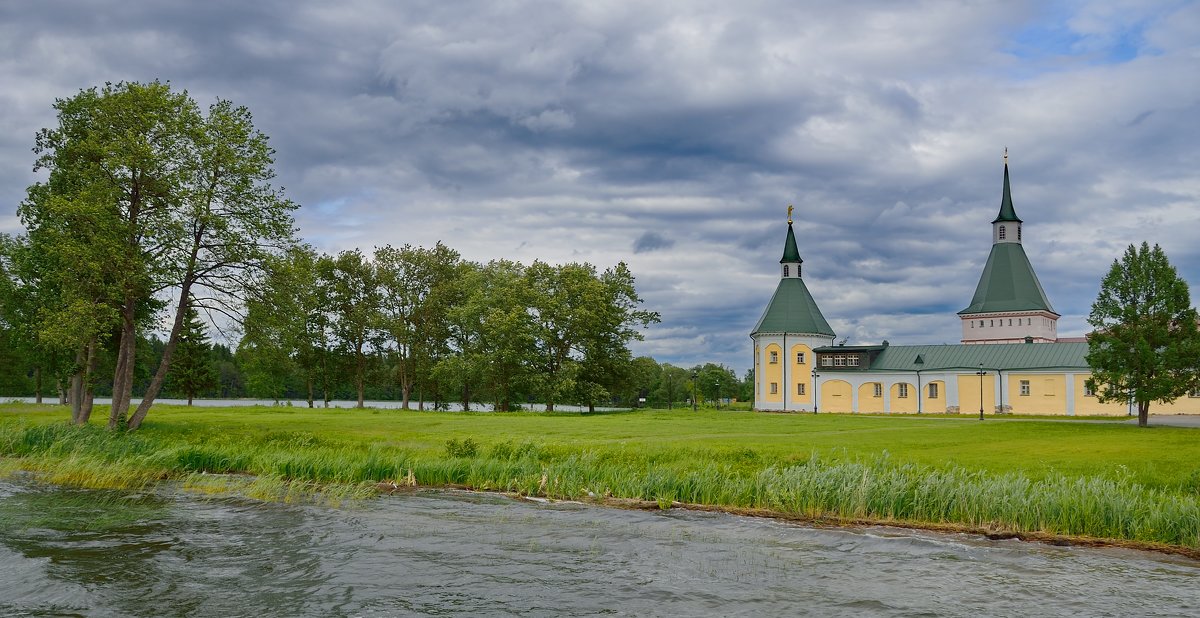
x: 1002, y: 232
x: 1018, y: 232
x: 785, y: 270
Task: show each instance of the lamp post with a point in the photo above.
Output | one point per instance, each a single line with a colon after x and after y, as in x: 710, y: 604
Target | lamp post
x: 816, y: 393
x: 693, y: 391
x: 981, y: 373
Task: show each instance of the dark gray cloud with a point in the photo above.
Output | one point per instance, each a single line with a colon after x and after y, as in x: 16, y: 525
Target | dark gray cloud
x: 651, y: 241
x: 562, y: 131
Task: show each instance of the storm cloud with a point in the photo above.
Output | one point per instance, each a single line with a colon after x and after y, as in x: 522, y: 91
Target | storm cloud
x: 673, y: 135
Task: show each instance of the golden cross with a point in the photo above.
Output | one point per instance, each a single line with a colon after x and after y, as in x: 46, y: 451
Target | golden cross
x: 789, y: 214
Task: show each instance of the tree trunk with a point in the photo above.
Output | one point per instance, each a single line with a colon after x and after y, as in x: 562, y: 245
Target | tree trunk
x: 164, y: 365
x: 89, y: 395
x: 62, y: 394
x: 123, y: 374
x: 358, y: 378
x: 37, y: 384
x: 310, y: 390
x: 1143, y: 413
x: 189, y: 399
x: 76, y: 396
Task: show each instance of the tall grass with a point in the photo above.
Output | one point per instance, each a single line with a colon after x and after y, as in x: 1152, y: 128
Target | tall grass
x: 297, y: 466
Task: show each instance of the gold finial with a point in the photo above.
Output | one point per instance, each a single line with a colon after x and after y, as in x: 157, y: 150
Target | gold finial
x: 1006, y: 155
x: 789, y: 214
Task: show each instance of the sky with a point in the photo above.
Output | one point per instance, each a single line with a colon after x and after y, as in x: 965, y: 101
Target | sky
x: 673, y: 136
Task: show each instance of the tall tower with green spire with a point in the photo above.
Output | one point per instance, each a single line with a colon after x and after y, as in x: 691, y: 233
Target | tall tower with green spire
x: 785, y: 336
x: 1009, y: 305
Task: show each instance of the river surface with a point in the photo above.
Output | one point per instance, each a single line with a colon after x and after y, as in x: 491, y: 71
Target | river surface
x: 87, y: 553
x: 335, y: 403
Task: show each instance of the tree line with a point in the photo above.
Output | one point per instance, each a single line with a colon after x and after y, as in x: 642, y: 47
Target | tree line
x: 155, y: 212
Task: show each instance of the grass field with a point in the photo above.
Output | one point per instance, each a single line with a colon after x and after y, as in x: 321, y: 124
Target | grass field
x: 1107, y: 479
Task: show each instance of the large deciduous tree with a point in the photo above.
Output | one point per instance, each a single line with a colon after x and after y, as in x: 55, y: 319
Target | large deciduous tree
x: 166, y: 200
x: 1145, y: 346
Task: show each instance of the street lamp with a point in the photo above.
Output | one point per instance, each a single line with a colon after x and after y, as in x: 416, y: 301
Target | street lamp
x: 981, y: 373
x: 693, y: 391
x: 816, y: 398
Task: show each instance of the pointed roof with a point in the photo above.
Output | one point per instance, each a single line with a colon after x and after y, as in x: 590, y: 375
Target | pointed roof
x: 1008, y: 283
x: 790, y: 252
x: 1007, y: 213
x: 792, y: 310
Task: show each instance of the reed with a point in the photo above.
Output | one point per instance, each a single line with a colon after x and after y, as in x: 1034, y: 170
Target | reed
x: 296, y: 466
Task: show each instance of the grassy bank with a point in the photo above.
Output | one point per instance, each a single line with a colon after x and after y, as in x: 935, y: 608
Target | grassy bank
x: 1096, y: 480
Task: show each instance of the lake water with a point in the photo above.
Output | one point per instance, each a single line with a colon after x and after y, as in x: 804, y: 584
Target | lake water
x: 337, y: 403
x: 75, y: 552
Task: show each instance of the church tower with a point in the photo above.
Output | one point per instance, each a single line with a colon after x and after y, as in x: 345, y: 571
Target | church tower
x: 785, y: 336
x: 1009, y: 305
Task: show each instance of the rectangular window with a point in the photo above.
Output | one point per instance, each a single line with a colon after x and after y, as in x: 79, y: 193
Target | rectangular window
x: 1195, y: 392
x: 933, y: 391
x: 774, y: 357
x: 1010, y: 321
x: 774, y: 388
x: 902, y: 391
x: 981, y: 324
x: 878, y: 389
x: 1024, y: 388
x: 1088, y: 390
x: 800, y: 389
x: 799, y: 358
x: 853, y: 360
x: 839, y: 361
x: 826, y: 361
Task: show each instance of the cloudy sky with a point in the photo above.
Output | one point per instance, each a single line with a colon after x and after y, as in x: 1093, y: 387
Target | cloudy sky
x: 673, y: 135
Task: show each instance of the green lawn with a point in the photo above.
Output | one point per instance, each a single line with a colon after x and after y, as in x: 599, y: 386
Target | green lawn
x: 1162, y: 457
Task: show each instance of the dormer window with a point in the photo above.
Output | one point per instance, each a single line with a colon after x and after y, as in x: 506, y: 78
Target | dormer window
x: 1002, y: 233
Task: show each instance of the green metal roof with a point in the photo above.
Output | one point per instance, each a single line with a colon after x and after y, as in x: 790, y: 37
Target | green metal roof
x: 1007, y: 213
x: 1002, y: 356
x: 792, y: 310
x: 790, y: 252
x: 1008, y: 283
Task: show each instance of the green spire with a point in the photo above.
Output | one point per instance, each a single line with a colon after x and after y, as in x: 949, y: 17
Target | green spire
x: 1007, y: 213
x: 790, y: 252
x: 1008, y: 283
x: 792, y: 310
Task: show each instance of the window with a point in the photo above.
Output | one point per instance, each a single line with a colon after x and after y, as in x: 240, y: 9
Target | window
x: 1010, y: 321
x: 1024, y: 388
x: 981, y: 324
x: 902, y: 391
x: 799, y: 358
x: 1001, y: 232
x: 1089, y: 390
x: 826, y: 361
x: 972, y: 323
x: 933, y: 391
x: 1195, y: 392
x: 878, y: 389
x: 774, y: 388
x: 774, y: 357
x: 839, y: 360
x: 852, y: 360
x: 785, y: 270
x: 1018, y: 232
x: 800, y: 389
x: 991, y: 322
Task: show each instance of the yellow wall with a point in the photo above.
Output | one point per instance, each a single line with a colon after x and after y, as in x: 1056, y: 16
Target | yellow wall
x: 1087, y: 405
x: 1047, y: 394
x: 906, y: 404
x: 800, y: 374
x: 772, y: 373
x: 836, y: 396
x: 868, y: 403
x: 937, y: 405
x: 968, y: 393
